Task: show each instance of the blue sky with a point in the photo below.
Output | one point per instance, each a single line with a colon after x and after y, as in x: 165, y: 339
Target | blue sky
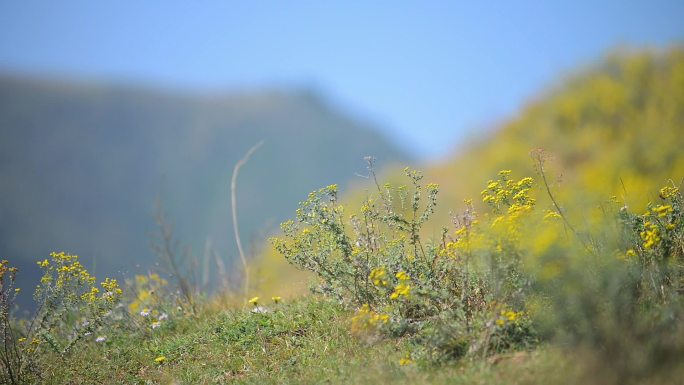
x: 429, y: 73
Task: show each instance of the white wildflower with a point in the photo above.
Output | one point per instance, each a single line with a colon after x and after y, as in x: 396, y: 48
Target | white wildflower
x: 259, y: 309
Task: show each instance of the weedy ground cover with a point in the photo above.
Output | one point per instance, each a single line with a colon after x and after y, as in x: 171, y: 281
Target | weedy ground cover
x: 515, y: 294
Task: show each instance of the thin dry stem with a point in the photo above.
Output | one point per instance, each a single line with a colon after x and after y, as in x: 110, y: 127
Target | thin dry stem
x: 233, y: 205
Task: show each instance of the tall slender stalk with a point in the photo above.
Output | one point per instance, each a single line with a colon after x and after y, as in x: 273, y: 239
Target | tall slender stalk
x: 233, y: 205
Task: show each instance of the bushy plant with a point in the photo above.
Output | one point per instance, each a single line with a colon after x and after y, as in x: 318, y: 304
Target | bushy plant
x: 618, y: 296
x: 71, y: 308
x: 457, y: 295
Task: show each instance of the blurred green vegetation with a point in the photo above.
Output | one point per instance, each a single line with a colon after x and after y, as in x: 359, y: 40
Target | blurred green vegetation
x: 614, y: 128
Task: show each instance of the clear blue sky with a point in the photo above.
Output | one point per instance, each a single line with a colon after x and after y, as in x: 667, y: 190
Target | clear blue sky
x: 430, y: 73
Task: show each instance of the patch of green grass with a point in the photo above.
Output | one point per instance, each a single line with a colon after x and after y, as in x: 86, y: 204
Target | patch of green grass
x: 306, y: 341
x: 303, y: 342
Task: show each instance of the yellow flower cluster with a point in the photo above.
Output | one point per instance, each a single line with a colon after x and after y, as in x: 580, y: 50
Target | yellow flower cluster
x: 650, y: 235
x: 111, y: 288
x: 515, y: 195
x: 668, y: 192
x: 403, y: 289
x: 71, y: 273
x: 378, y: 276
x: 406, y: 360
x: 366, y: 320
x: 550, y: 214
x: 91, y: 296
x: 662, y: 210
x: 4, y: 269
x: 68, y: 269
x: 508, y: 191
x: 508, y: 316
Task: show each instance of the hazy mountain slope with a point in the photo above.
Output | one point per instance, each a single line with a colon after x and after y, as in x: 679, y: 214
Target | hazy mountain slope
x: 615, y: 128
x: 82, y: 164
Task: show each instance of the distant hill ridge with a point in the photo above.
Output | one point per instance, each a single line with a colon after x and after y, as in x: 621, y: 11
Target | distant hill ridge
x: 82, y: 163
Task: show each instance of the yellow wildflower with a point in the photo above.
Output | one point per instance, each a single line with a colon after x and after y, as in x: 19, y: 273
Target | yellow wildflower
x: 401, y: 290
x: 406, y: 360
x: 650, y: 235
x: 662, y: 210
x: 254, y: 301
x: 551, y: 215
x: 668, y: 192
x: 377, y: 276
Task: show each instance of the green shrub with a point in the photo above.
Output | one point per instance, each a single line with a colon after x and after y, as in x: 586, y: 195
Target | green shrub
x: 71, y: 307
x: 458, y: 295
x: 622, y: 300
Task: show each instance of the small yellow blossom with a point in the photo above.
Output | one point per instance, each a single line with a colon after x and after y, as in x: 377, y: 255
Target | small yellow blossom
x: 366, y: 320
x: 406, y: 360
x: 401, y: 290
x: 551, y: 215
x: 662, y: 211
x: 160, y: 359
x: 276, y: 299
x: 668, y: 192
x: 650, y: 235
x: 377, y: 276
x: 254, y: 301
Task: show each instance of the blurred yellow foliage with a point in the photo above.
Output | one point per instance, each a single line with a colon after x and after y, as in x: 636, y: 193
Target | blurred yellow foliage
x: 614, y: 129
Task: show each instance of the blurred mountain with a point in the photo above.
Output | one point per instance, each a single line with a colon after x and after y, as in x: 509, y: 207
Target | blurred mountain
x: 82, y: 165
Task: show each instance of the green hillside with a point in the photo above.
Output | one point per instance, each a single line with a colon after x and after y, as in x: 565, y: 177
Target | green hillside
x: 82, y: 164
x: 613, y: 128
